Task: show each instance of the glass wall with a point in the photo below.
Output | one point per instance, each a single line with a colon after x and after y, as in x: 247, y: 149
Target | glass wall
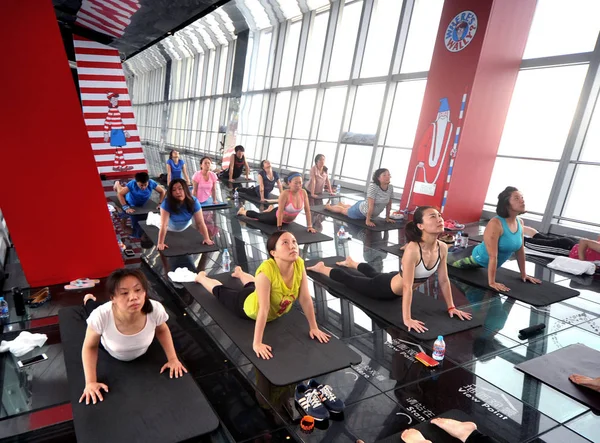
x: 343, y: 79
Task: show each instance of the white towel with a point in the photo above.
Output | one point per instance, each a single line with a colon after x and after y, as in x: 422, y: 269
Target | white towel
x: 572, y: 266
x: 182, y: 275
x: 153, y: 219
x: 25, y: 342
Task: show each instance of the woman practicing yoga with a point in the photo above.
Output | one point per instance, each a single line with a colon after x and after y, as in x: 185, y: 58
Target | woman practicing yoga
x: 502, y: 237
x: 126, y: 327
x: 278, y: 282
x: 237, y: 163
x: 582, y: 249
x: 319, y: 179
x: 267, y: 180
x: 179, y: 211
x: 176, y: 168
x: 423, y: 255
x: 292, y: 201
x: 205, y: 184
x: 379, y: 197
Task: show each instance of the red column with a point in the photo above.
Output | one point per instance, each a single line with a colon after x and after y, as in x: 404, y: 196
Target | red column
x: 50, y: 192
x: 474, y: 67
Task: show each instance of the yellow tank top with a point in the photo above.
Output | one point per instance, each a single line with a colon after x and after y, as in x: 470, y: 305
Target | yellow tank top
x: 282, y: 297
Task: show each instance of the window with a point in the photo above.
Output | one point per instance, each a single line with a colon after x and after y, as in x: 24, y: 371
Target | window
x: 381, y: 38
x: 314, y: 49
x: 304, y: 113
x: 356, y: 171
x: 424, y: 25
x: 367, y: 107
x: 579, y: 206
x: 282, y: 105
x: 297, y: 153
x: 262, y: 60
x: 543, y: 99
x: 345, y: 42
x: 210, y: 73
x: 275, y: 151
x: 579, y: 20
x: 591, y: 146
x: 396, y: 160
x: 290, y: 53
x: 332, y: 113
x: 222, y: 81
x: 405, y: 113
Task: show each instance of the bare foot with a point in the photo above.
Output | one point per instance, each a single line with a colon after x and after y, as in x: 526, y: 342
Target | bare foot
x: 242, y: 211
x: 328, y: 206
x: 237, y: 272
x: 319, y: 267
x: 413, y: 436
x: 88, y: 297
x: 269, y: 209
x: 456, y: 429
x: 349, y: 263
x: 587, y: 382
x: 201, y: 275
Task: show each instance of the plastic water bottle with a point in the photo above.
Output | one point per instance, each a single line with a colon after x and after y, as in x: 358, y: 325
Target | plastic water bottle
x: 236, y: 195
x: 341, y: 233
x: 458, y: 239
x: 439, y: 349
x: 464, y: 240
x: 226, y: 261
x: 338, y: 189
x: 3, y: 308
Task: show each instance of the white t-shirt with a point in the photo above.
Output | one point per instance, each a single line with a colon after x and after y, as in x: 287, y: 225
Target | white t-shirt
x: 120, y: 346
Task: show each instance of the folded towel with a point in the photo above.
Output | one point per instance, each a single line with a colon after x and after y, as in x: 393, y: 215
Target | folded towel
x: 182, y: 275
x: 572, y: 266
x: 153, y: 219
x: 25, y: 342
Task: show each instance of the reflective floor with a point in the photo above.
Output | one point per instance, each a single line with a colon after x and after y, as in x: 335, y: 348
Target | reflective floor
x: 386, y: 393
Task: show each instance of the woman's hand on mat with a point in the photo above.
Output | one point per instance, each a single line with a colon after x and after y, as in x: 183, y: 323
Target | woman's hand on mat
x: 390, y: 220
x: 263, y: 351
x: 174, y: 367
x: 499, y: 287
x: 311, y: 230
x: 529, y: 279
x: 317, y: 334
x: 209, y: 242
x: 130, y: 210
x: 369, y: 223
x: 93, y: 391
x: 314, y: 195
x: 460, y: 314
x: 162, y: 246
x: 417, y: 325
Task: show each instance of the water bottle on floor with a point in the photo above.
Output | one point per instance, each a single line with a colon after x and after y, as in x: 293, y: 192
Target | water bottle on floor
x: 226, y: 261
x: 338, y: 189
x: 341, y: 233
x: 458, y: 239
x: 3, y: 308
x: 236, y: 195
x: 439, y: 349
x: 464, y: 240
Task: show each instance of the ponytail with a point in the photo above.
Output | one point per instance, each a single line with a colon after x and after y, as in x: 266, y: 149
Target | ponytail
x: 412, y: 232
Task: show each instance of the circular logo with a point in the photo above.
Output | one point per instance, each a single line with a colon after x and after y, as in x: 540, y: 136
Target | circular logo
x: 460, y: 31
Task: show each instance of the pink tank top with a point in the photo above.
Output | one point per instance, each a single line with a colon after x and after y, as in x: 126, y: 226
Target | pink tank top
x: 290, y: 212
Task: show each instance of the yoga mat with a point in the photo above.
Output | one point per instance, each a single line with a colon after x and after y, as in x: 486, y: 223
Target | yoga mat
x: 432, y: 432
x: 554, y: 369
x: 392, y: 249
x: 536, y: 295
x: 241, y: 180
x: 271, y: 198
x: 302, y: 235
x: 141, y: 404
x: 149, y: 206
x: 433, y: 312
x: 380, y: 224
x: 215, y: 207
x: 296, y: 356
x: 180, y: 243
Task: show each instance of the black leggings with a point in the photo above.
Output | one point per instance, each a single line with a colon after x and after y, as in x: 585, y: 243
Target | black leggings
x: 233, y: 299
x: 90, y: 305
x: 268, y: 218
x: 551, y: 245
x: 373, y: 284
x: 478, y: 437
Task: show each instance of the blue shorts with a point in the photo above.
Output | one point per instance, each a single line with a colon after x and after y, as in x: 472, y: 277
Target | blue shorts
x: 117, y: 137
x: 354, y: 212
x: 209, y: 201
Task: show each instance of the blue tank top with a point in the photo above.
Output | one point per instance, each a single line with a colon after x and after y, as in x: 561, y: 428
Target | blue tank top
x: 508, y: 243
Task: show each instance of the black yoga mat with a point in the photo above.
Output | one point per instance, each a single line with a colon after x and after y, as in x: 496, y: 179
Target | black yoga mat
x: 380, y: 224
x: 296, y: 356
x: 215, y: 207
x: 392, y: 249
x: 149, y: 206
x: 432, y: 432
x: 433, y: 312
x: 180, y: 243
x: 302, y: 235
x: 554, y: 369
x: 141, y: 404
x: 536, y: 295
x: 252, y: 197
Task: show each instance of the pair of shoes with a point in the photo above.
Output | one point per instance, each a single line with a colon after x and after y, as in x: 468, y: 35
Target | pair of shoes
x: 453, y: 225
x: 39, y: 298
x: 81, y: 283
x: 318, y: 400
x: 447, y: 238
x: 397, y: 215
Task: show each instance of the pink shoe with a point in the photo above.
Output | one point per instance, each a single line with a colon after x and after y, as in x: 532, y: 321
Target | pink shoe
x: 453, y: 225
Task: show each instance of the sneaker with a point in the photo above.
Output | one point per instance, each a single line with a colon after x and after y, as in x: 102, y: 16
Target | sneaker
x: 397, y: 215
x: 327, y: 397
x: 453, y: 225
x: 308, y: 400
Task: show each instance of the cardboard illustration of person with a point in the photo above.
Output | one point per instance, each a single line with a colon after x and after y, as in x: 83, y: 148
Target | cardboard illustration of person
x: 114, y: 131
